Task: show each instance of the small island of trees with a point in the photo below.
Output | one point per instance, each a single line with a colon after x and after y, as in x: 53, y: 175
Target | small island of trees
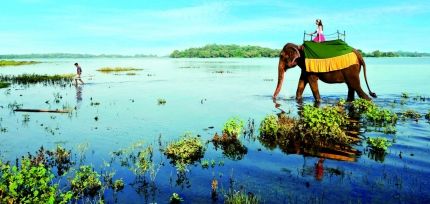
x: 226, y: 51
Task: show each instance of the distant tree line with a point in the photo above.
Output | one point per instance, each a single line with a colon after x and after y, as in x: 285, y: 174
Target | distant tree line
x: 69, y: 55
x: 378, y: 53
x: 226, y: 51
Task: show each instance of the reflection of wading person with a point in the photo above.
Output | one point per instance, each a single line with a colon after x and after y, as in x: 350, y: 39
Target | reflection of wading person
x: 78, y: 74
x: 320, y: 36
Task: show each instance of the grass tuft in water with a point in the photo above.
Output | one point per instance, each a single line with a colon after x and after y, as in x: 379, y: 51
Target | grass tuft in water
x: 16, y: 63
x: 239, y: 197
x: 117, y: 69
x: 4, y: 85
x: 26, y: 79
x: 161, y: 101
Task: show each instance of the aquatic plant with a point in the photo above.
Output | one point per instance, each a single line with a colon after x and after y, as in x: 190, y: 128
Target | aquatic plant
x: 86, y: 182
x: 185, y: 151
x: 61, y: 158
x: 404, y: 95
x: 118, y: 185
x: 117, y: 69
x: 144, y: 160
x: 161, y: 101
x: 269, y: 125
x: 4, y: 85
x: 205, y: 164
x: 373, y: 114
x: 175, y: 199
x: 239, y: 197
x: 233, y: 127
x: 16, y: 63
x: 29, y: 184
x: 412, y: 114
x: 323, y: 125
x: 378, y: 143
x: 427, y: 116
x: 26, y: 79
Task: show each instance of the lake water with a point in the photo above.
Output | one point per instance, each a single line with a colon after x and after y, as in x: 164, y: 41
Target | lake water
x: 198, y: 98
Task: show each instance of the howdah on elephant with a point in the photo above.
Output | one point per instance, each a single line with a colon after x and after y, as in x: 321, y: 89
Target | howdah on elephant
x: 293, y: 55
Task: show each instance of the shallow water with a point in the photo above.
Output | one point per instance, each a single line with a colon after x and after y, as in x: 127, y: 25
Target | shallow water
x: 197, y: 98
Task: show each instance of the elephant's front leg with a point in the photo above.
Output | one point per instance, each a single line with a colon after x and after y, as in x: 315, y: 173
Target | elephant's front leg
x: 313, y: 82
x: 300, y: 88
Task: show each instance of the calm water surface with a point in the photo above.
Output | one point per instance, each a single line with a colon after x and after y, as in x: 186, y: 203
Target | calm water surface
x: 197, y: 98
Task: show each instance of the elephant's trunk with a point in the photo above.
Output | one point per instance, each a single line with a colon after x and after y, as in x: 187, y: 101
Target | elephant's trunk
x: 281, y: 71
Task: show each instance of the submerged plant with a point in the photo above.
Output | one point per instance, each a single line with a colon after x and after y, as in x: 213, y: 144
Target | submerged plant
x: 185, y: 151
x: 379, y: 143
x: 233, y: 127
x: 29, y: 184
x: 86, y: 182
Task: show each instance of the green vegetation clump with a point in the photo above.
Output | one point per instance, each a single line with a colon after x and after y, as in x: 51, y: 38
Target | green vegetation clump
x: 161, y: 101
x: 378, y: 144
x: 4, y: 85
x: 175, y: 199
x: 239, y: 197
x: 117, y: 69
x: 225, y: 51
x: 144, y: 160
x: 26, y: 79
x: 185, y: 151
x: 269, y: 125
x: 29, y: 184
x: 427, y: 116
x: 118, y: 185
x: 411, y: 114
x: 233, y: 127
x: 86, y: 182
x: 323, y: 124
x: 373, y: 114
x: 16, y: 63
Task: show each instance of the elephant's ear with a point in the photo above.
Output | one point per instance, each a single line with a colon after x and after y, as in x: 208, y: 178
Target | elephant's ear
x: 290, y: 53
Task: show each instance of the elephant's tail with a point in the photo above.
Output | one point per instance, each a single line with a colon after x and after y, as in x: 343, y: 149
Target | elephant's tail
x: 361, y: 62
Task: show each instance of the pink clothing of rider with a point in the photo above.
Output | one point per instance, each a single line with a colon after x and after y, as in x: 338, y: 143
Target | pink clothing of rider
x: 320, y: 36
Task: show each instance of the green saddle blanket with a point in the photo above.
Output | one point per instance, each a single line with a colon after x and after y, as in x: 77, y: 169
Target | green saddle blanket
x: 328, y: 56
x: 327, y: 49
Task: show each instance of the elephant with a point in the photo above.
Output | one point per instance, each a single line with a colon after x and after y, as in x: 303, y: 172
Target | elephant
x: 293, y: 55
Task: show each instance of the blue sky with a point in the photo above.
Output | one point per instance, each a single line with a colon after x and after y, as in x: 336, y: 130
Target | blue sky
x: 159, y: 27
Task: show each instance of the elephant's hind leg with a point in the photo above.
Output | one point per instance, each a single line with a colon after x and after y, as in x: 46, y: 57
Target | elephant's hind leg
x: 354, y: 83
